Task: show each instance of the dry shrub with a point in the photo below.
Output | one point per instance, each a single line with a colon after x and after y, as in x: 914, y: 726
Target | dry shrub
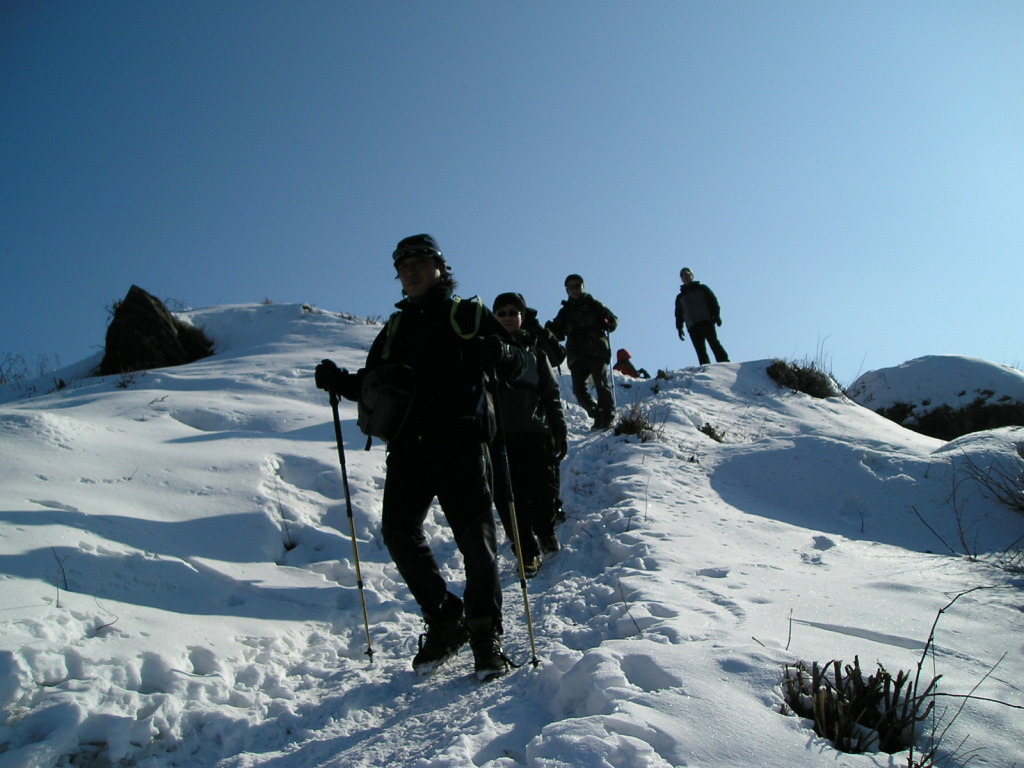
x: 858, y: 713
x: 638, y: 420
x: 803, y: 377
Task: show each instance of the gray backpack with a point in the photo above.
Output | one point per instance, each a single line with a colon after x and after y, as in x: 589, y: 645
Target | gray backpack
x: 385, y: 401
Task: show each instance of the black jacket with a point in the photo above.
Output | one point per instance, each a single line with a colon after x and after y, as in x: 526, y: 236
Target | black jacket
x: 451, y: 401
x: 532, y: 402
x: 543, y: 339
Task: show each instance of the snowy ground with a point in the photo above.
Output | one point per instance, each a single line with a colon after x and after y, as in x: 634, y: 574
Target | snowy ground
x: 177, y: 584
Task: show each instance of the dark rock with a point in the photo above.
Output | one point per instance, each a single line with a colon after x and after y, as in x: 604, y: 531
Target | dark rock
x: 144, y: 335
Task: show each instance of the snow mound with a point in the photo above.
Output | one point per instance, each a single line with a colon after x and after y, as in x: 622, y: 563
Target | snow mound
x: 936, y: 380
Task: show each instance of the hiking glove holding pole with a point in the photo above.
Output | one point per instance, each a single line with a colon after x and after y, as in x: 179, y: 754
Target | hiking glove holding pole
x: 330, y: 377
x: 490, y: 351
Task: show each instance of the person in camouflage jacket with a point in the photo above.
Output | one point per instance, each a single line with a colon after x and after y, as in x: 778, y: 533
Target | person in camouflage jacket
x: 584, y: 323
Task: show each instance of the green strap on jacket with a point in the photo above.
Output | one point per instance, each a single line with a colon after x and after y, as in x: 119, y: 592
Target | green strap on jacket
x: 463, y: 313
x: 477, y: 309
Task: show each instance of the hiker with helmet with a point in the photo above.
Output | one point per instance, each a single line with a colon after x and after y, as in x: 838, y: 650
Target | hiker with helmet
x: 442, y: 349
x: 697, y: 309
x: 536, y: 441
x: 585, y: 323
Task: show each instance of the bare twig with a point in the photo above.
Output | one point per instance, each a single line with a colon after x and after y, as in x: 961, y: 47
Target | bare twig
x: 61, y: 575
x: 1005, y: 486
x: 928, y: 647
x: 98, y: 629
x: 622, y: 593
x: 934, y: 532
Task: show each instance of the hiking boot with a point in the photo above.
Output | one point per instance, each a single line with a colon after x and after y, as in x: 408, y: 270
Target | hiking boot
x: 446, y: 634
x: 440, y: 642
x: 530, y: 566
x: 549, y: 544
x: 489, y: 661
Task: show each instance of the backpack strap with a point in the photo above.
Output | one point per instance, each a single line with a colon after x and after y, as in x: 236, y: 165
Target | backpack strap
x: 391, y: 326
x: 461, y: 311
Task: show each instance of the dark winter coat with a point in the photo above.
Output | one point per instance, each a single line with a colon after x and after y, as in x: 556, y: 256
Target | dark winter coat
x: 696, y: 303
x: 543, y: 338
x: 585, y: 324
x: 451, y: 401
x: 532, y: 402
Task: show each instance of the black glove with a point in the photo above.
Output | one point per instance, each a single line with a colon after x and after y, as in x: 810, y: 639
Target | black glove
x: 329, y: 377
x: 561, y: 447
x: 718, y: 322
x: 489, y: 351
x: 681, y: 334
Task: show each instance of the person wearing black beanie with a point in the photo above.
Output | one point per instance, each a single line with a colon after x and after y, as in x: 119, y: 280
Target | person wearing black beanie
x: 427, y: 371
x: 536, y: 441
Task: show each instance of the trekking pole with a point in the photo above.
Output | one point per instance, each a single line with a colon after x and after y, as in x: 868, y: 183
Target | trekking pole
x: 515, y: 522
x: 611, y: 372
x: 351, y: 522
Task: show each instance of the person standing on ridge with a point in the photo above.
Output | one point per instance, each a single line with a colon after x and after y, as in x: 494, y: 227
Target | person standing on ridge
x: 697, y: 309
x: 536, y: 440
x: 438, y: 350
x: 584, y: 323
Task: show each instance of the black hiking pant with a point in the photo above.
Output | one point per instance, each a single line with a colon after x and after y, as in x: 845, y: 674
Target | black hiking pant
x: 457, y: 473
x: 595, y: 368
x: 705, y: 332
x: 530, y: 458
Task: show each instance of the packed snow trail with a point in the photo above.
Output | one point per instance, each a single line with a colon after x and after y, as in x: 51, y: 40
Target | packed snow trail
x: 385, y: 714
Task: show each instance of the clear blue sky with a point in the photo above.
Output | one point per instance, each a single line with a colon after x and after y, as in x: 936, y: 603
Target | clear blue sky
x: 848, y: 177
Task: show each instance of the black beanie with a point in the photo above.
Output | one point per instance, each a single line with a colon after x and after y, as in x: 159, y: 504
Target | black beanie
x: 573, y: 277
x: 515, y: 299
x: 417, y: 245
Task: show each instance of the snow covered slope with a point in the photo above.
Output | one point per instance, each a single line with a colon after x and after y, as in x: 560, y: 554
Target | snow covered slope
x: 177, y: 583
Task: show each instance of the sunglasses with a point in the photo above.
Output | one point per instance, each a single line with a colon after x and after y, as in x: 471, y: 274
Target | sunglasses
x: 573, y: 286
x: 411, y: 253
x: 509, y: 313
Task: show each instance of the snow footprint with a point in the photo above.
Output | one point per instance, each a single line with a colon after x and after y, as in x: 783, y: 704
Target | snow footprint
x: 819, y: 544
x: 600, y: 681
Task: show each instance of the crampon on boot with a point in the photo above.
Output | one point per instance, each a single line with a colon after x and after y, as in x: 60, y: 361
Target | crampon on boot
x: 446, y: 634
x: 489, y: 661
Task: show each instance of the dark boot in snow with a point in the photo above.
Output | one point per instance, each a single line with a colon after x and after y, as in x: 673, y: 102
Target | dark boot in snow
x: 446, y: 634
x: 489, y: 661
x: 530, y: 566
x: 549, y: 544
